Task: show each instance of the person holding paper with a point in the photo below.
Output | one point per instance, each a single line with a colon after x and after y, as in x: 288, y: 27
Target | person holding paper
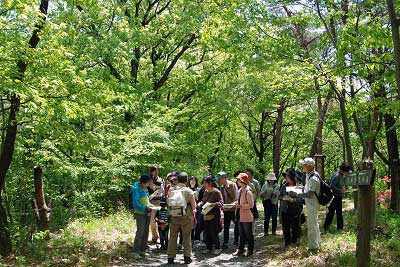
x: 269, y: 193
x: 212, y: 219
x: 156, y: 192
x: 229, y: 193
x: 312, y: 188
x: 291, y: 207
x: 244, y: 205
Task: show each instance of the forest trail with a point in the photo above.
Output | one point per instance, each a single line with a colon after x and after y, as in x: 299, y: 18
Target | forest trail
x: 268, y: 251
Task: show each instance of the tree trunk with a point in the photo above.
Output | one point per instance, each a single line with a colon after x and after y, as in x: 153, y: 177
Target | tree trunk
x: 357, y: 124
x: 5, y: 162
x: 391, y: 135
x: 395, y: 23
x: 320, y: 124
x: 42, y: 212
x: 278, y: 138
x: 212, y: 159
x: 394, y: 163
x: 346, y: 130
x: 7, y: 149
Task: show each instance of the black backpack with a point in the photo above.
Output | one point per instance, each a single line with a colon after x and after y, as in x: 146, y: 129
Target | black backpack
x: 130, y: 203
x: 326, y: 194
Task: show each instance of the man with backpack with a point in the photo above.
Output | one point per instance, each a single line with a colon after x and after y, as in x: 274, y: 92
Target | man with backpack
x: 338, y: 187
x: 312, y: 189
x: 182, y: 207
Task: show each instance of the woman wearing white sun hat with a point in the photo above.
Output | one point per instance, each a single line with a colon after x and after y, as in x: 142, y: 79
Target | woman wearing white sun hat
x: 269, y: 193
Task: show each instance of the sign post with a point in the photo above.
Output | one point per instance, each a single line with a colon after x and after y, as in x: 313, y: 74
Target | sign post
x: 364, y: 180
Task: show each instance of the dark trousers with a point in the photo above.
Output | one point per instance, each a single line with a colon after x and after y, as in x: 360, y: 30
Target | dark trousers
x: 236, y: 231
x: 211, y: 233
x: 199, y: 226
x: 291, y: 228
x: 246, y: 236
x: 163, y: 236
x: 270, y: 213
x: 229, y: 216
x: 142, y: 233
x: 335, y: 206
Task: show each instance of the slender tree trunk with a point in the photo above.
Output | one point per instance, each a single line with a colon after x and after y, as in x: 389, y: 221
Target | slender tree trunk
x: 5, y: 161
x: 395, y: 23
x: 394, y: 163
x: 346, y: 130
x: 357, y: 124
x: 42, y: 212
x: 212, y: 159
x: 278, y: 137
x: 391, y: 135
x: 320, y: 125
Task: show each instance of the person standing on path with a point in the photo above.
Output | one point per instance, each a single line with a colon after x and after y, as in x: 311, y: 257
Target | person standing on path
x: 338, y: 187
x: 243, y: 210
x: 156, y: 193
x: 181, y: 218
x: 291, y: 207
x: 255, y: 187
x: 311, y: 190
x: 230, y: 195
x: 142, y: 213
x: 270, y: 193
x: 212, y: 220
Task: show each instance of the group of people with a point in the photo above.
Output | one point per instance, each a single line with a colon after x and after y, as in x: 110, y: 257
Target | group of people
x: 180, y: 211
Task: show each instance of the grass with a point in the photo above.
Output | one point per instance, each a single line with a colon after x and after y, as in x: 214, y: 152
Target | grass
x: 107, y: 241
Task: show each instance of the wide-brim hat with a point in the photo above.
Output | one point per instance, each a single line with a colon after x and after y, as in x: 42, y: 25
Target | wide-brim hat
x: 243, y: 177
x: 271, y: 177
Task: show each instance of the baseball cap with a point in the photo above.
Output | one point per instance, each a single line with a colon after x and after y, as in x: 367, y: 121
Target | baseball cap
x: 221, y: 175
x: 308, y: 161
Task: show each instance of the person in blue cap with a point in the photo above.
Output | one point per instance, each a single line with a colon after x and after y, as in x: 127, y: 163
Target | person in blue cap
x: 142, y: 211
x: 229, y: 191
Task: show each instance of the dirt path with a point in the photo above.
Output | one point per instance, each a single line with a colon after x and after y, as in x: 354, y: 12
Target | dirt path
x: 265, y: 249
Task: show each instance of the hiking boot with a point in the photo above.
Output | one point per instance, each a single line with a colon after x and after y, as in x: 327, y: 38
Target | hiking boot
x: 187, y: 260
x: 225, y: 246
x: 216, y: 251
x: 170, y: 260
x: 238, y: 253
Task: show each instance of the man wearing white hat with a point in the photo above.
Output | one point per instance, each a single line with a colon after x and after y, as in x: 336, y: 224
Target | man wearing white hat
x: 311, y: 189
x: 269, y: 193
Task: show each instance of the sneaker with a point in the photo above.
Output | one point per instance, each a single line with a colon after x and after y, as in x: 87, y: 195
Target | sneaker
x: 238, y: 253
x: 170, y: 260
x: 187, y: 260
x: 225, y: 246
x: 207, y: 251
x: 217, y: 251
